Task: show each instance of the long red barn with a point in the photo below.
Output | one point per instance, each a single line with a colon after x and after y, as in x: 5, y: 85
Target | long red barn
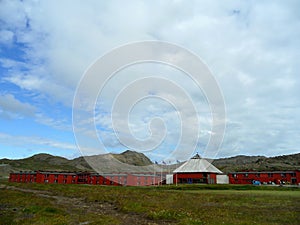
x: 268, y: 177
x: 125, y: 179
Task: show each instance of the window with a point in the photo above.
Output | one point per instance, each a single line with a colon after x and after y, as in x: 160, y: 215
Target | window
x: 270, y: 174
x: 258, y: 175
x: 182, y: 180
x: 283, y: 175
x: 293, y: 174
x: 245, y: 174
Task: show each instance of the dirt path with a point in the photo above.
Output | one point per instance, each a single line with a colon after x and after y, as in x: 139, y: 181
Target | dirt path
x: 100, y: 208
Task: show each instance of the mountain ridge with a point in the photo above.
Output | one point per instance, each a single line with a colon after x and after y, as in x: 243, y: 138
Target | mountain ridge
x: 138, y: 162
x: 258, y: 163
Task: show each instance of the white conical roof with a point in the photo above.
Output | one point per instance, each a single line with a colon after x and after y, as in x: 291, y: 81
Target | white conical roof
x: 197, y: 164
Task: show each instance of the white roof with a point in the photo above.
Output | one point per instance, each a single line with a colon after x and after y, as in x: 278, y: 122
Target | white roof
x: 197, y: 164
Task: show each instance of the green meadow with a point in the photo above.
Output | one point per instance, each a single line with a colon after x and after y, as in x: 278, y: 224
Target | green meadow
x: 182, y: 204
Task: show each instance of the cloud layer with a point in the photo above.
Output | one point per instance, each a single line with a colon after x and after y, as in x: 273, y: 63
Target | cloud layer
x: 251, y: 47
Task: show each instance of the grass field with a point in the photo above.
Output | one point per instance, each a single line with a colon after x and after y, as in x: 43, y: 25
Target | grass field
x: 188, y: 204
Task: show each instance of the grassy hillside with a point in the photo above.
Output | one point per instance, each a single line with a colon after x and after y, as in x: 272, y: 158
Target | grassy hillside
x: 40, y: 162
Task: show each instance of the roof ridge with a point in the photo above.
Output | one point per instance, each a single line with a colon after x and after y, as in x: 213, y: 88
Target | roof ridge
x: 197, y: 156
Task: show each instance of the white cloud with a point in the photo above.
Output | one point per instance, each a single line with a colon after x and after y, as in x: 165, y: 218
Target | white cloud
x: 56, y: 123
x: 10, y: 107
x: 27, y: 82
x: 10, y: 64
x: 6, y: 37
x: 28, y: 142
x: 25, y: 140
x: 245, y: 79
x: 284, y: 83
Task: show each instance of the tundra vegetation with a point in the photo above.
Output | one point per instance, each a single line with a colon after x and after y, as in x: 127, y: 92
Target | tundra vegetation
x: 22, y: 203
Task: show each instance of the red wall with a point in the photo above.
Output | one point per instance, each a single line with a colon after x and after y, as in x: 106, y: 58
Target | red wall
x: 86, y: 178
x: 194, y: 178
x: 60, y: 178
x: 22, y: 177
x: 291, y: 177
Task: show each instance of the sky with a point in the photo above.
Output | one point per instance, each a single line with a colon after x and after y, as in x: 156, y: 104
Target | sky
x: 252, y: 48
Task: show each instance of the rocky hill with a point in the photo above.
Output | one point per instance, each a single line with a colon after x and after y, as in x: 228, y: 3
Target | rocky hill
x: 133, y: 158
x: 258, y: 163
x: 124, y: 162
x: 130, y: 161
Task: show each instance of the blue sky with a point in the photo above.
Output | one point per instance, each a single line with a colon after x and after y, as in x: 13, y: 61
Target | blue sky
x: 252, y: 48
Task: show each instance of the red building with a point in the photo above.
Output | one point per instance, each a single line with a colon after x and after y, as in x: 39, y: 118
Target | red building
x: 125, y: 179
x: 268, y: 177
x: 196, y: 170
